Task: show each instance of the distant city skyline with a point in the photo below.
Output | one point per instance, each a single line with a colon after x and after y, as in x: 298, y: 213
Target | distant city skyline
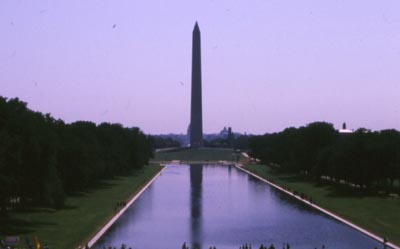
x: 266, y: 66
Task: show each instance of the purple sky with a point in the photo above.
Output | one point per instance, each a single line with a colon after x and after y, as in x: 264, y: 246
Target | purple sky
x: 267, y: 64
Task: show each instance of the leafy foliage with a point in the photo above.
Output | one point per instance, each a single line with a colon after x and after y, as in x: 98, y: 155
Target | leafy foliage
x: 159, y: 142
x: 42, y: 159
x: 364, y: 158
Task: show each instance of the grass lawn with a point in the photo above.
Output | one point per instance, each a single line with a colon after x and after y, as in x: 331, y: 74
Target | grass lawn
x: 378, y: 214
x: 83, y: 215
x: 199, y: 154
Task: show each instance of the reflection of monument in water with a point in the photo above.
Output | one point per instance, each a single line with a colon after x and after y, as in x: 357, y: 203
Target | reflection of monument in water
x: 196, y: 179
x: 196, y: 117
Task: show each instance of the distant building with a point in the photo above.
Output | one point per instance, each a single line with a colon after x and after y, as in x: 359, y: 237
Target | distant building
x: 224, y: 133
x: 344, y: 129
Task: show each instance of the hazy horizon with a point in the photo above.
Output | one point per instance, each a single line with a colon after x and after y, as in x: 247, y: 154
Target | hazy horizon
x: 266, y: 66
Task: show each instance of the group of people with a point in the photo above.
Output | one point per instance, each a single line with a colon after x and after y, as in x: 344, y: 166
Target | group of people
x: 304, y: 196
x: 11, y: 242
x: 248, y: 246
x: 119, y: 205
x: 262, y: 246
x: 184, y: 246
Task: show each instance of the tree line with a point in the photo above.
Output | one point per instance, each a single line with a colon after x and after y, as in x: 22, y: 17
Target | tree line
x: 238, y: 141
x: 159, y: 142
x: 42, y: 159
x: 365, y: 159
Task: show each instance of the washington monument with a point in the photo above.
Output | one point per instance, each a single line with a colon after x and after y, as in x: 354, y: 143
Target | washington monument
x: 196, y: 119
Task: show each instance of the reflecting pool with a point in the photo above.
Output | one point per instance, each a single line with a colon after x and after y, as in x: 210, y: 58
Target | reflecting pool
x: 224, y: 207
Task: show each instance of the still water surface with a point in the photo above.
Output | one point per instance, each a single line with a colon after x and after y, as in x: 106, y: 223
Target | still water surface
x: 222, y: 206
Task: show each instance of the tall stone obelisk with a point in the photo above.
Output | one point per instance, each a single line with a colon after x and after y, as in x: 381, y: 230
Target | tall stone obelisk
x: 196, y: 116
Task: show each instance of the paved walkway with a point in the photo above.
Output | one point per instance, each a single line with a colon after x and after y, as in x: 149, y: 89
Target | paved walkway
x: 321, y: 209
